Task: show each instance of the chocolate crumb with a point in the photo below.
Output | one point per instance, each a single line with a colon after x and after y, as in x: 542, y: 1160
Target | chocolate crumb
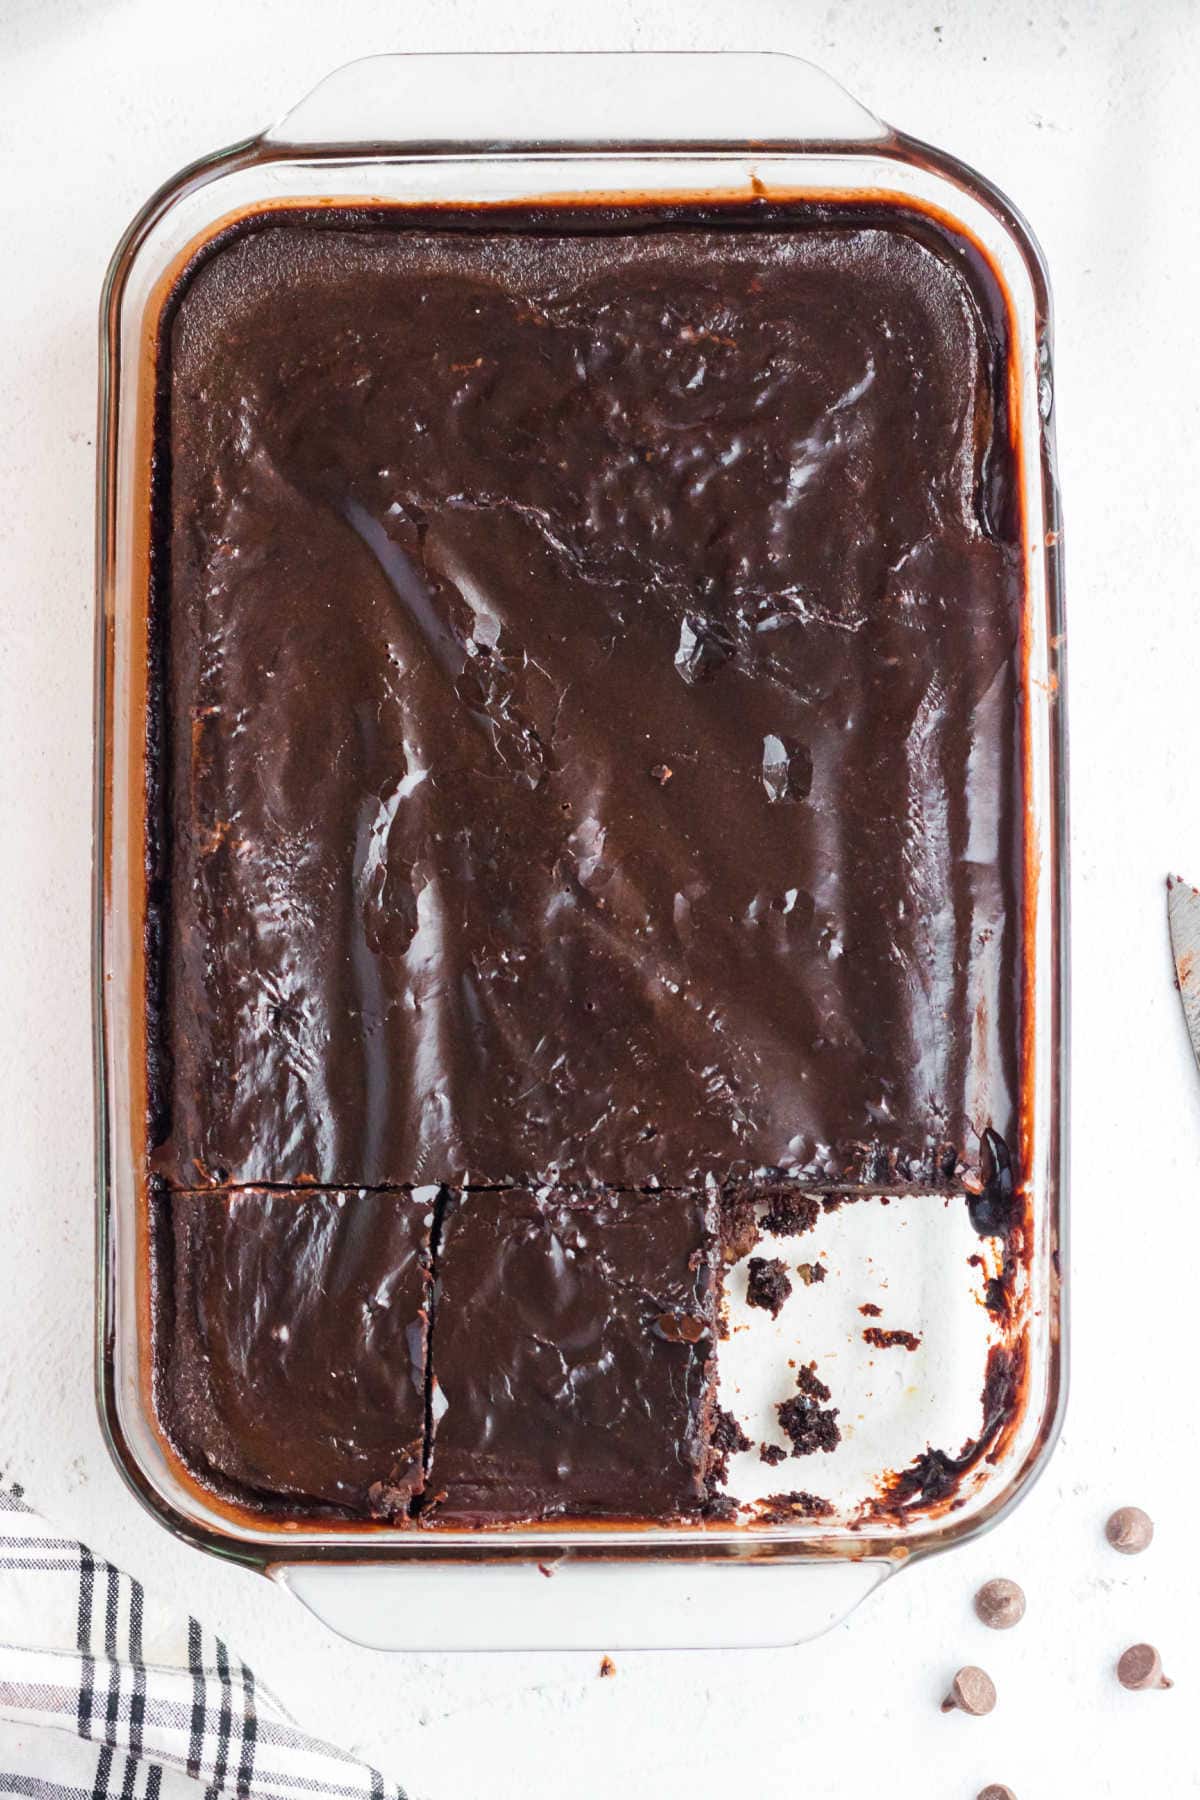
x: 739, y: 1226
x: 869, y: 1310
x: 810, y: 1383
x: 772, y: 1454
x: 778, y: 1509
x: 995, y: 1207
x: 768, y: 1284
x: 790, y: 1215
x: 810, y: 1272
x: 888, y: 1340
x: 727, y: 1434
x: 808, y: 1427
x: 608, y: 1668
x: 727, y: 1438
x: 995, y: 1295
x: 388, y: 1502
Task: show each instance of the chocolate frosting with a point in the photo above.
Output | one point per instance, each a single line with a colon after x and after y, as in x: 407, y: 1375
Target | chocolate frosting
x: 292, y: 1338
x: 587, y: 738
x: 573, y: 1359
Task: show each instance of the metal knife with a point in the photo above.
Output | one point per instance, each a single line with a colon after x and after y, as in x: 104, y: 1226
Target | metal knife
x: 1183, y: 920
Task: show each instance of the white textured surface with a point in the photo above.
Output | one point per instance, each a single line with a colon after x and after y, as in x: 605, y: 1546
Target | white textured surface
x: 1084, y: 113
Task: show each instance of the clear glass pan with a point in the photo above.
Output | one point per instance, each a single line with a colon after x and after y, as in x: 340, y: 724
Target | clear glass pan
x: 478, y: 132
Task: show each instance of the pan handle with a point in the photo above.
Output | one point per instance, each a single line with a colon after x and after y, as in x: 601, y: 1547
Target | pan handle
x: 584, y: 1605
x: 536, y: 100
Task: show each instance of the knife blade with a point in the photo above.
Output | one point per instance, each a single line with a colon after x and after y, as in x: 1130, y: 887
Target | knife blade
x: 1183, y: 922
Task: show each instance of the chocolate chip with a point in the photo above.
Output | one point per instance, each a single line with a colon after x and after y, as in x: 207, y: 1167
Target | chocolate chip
x: 1141, y: 1667
x: 680, y: 1328
x: 1130, y: 1530
x: 972, y: 1691
x: 1000, y: 1604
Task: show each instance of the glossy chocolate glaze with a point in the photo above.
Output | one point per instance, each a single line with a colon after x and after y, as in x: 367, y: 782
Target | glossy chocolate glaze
x: 292, y: 1337
x: 573, y: 1356
x: 587, y: 667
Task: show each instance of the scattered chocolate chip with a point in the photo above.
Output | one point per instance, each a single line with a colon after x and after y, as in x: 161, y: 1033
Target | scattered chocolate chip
x: 767, y: 1284
x: 607, y: 1667
x: 1141, y: 1667
x: 890, y: 1340
x: 772, y: 1454
x: 1130, y: 1530
x: 972, y: 1691
x: 810, y: 1272
x: 1000, y: 1604
x: 661, y: 773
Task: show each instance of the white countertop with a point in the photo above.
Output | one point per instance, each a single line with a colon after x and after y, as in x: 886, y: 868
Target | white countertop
x: 1080, y: 112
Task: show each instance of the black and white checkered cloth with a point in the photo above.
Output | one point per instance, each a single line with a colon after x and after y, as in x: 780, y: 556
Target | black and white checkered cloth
x: 105, y: 1695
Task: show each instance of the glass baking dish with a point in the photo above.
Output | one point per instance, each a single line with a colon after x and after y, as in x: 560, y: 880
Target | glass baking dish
x: 479, y: 132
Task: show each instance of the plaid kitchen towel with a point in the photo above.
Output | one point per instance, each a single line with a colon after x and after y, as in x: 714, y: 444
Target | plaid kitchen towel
x: 104, y: 1694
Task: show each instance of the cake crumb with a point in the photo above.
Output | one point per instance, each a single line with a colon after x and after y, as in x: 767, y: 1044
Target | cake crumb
x: 810, y: 1383
x: 739, y: 1226
x: 726, y: 1440
x: 869, y: 1310
x: 888, y: 1340
x: 790, y: 1215
x: 779, y: 1509
x: 607, y: 1667
x: 810, y: 1272
x: 772, y: 1454
x: 768, y: 1284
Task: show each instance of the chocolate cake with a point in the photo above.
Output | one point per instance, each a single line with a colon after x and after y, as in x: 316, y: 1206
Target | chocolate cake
x: 573, y: 1356
x: 293, y: 1335
x: 584, y: 781
x: 465, y: 533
